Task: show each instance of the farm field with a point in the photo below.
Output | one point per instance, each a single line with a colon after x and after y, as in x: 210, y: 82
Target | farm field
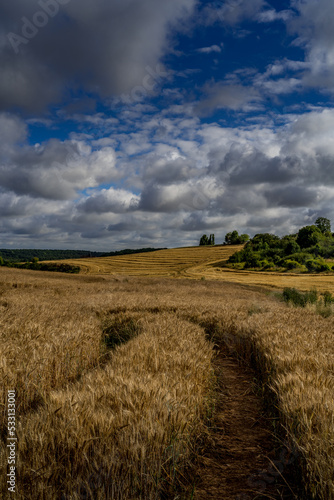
x: 115, y: 379
x: 168, y: 263
x: 197, y: 263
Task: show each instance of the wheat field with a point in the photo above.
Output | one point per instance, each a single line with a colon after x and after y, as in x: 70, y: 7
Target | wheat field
x: 95, y: 422
x: 196, y: 263
x: 172, y: 262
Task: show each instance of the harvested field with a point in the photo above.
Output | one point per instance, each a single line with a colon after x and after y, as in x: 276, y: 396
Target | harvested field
x: 169, y: 263
x: 200, y: 263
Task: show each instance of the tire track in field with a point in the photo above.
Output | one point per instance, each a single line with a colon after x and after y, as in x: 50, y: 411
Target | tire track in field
x: 237, y: 462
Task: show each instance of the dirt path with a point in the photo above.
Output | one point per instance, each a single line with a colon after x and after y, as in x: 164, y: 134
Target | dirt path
x: 240, y: 462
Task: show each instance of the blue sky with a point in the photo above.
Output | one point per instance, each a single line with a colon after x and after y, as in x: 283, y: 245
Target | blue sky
x: 132, y: 123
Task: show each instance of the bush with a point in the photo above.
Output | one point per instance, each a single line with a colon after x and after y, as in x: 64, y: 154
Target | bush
x: 312, y: 265
x: 300, y: 299
x: 236, y: 258
x: 311, y: 296
x: 291, y: 264
x: 292, y: 295
x: 301, y: 257
x: 328, y: 298
x: 253, y: 260
x: 317, y: 265
x: 268, y: 264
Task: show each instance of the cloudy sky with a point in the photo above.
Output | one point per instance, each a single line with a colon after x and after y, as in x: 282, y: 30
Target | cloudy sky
x: 133, y: 123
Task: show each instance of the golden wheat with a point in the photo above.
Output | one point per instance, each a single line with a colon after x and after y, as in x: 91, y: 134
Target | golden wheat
x: 196, y: 263
x: 172, y: 262
x: 74, y: 399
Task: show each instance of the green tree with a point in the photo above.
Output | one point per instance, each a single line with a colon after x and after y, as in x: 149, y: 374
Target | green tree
x: 228, y: 238
x: 308, y: 236
x: 234, y: 238
x: 243, y: 238
x: 211, y: 239
x: 1, y: 261
x: 204, y: 240
x: 323, y: 224
x: 291, y: 246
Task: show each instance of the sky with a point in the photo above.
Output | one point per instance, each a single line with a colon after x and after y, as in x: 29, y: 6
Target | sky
x: 147, y: 123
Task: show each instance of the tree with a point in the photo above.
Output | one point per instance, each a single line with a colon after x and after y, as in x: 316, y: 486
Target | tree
x: 211, y: 239
x: 1, y: 261
x: 308, y: 236
x: 228, y: 238
x: 323, y: 224
x: 234, y: 238
x: 207, y: 241
x: 243, y: 238
x: 291, y: 247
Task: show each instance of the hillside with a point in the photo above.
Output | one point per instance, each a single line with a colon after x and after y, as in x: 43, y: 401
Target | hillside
x: 24, y: 254
x: 198, y: 263
x: 169, y: 263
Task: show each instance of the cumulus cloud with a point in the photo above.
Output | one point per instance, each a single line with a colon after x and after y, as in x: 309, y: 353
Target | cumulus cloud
x: 203, y: 177
x: 234, y: 97
x: 110, y: 47
x: 314, y: 27
x: 54, y: 170
x: 110, y: 200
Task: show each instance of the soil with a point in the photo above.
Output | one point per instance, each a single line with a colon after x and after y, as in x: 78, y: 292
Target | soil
x: 241, y: 459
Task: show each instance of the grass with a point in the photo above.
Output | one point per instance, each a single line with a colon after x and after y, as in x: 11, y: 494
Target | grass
x: 322, y: 305
x: 291, y: 295
x: 114, y: 379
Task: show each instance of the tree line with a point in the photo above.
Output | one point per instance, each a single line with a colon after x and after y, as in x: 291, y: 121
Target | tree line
x: 232, y: 238
x: 26, y: 255
x: 311, y: 249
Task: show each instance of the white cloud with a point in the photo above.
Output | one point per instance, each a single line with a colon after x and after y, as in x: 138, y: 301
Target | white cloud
x: 268, y: 16
x: 209, y: 50
x: 54, y: 170
x: 314, y: 27
x: 200, y: 177
x: 109, y: 200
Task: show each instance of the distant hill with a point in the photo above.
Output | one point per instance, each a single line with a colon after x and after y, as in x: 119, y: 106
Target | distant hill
x: 25, y: 255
